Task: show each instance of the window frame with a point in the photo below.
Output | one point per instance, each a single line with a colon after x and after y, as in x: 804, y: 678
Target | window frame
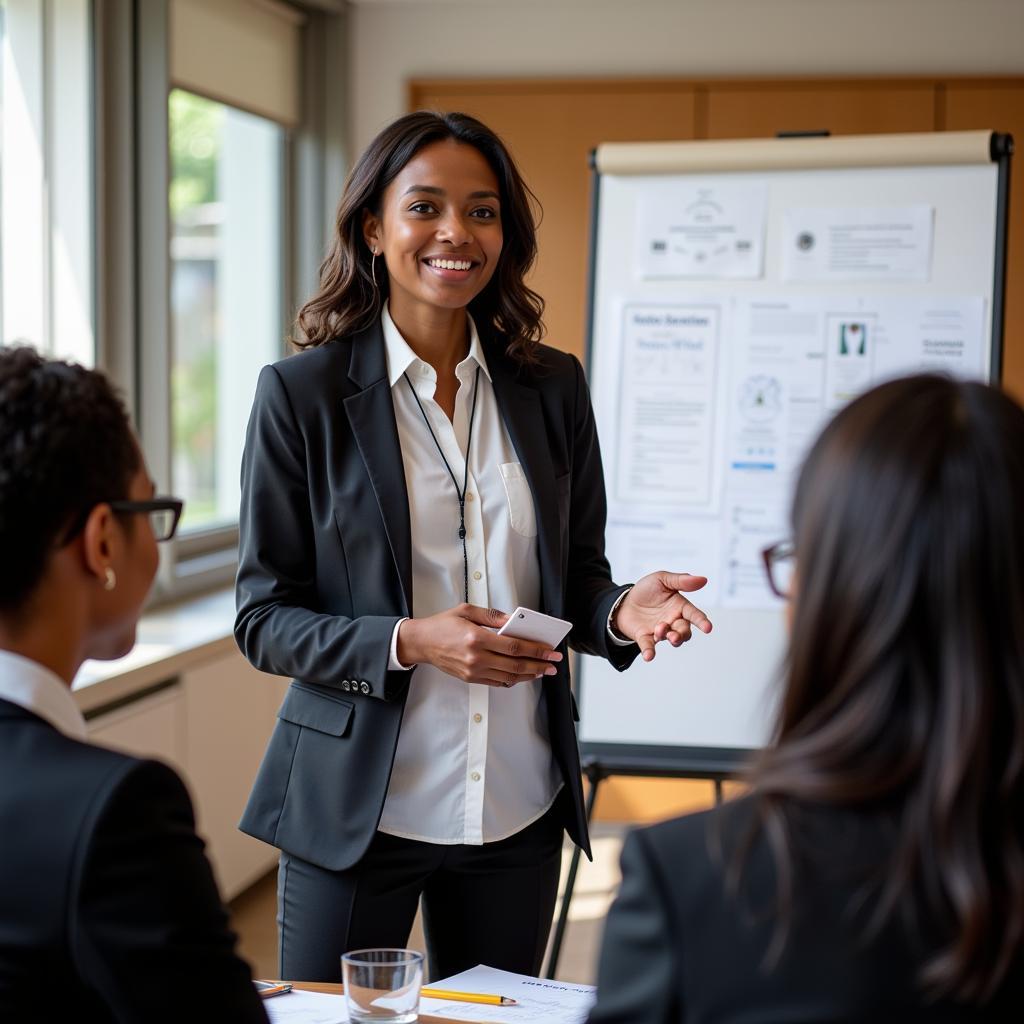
x: 133, y: 82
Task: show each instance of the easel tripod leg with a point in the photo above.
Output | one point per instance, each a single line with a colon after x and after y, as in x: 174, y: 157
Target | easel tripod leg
x: 570, y: 884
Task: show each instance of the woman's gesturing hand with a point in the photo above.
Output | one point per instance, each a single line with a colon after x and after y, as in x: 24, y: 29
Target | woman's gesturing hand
x: 654, y: 610
x: 462, y: 642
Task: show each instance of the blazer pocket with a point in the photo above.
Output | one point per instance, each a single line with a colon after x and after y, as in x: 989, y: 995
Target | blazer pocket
x: 521, y: 513
x: 316, y: 711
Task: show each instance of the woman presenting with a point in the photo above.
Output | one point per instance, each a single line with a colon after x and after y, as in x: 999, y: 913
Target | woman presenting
x: 422, y: 468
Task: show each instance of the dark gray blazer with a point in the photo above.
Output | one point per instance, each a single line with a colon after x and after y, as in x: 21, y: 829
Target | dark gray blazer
x: 108, y: 907
x: 679, y: 946
x: 325, y: 572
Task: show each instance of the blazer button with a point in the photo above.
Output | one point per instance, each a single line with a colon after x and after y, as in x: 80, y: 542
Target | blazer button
x: 344, y: 685
x: 365, y: 687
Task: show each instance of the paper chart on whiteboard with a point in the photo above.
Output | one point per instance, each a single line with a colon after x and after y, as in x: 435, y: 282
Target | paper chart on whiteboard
x: 719, y: 401
x: 711, y: 230
x: 864, y: 243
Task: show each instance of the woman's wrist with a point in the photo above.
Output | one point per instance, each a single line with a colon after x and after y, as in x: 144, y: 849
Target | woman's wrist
x: 616, y: 631
x: 407, y: 646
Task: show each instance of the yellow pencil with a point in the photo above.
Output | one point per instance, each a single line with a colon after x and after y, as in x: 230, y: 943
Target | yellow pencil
x: 467, y: 997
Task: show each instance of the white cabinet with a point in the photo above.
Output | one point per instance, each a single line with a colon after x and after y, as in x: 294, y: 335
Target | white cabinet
x: 230, y: 709
x: 151, y: 726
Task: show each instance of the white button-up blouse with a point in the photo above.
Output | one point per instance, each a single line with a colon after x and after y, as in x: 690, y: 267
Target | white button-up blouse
x: 474, y: 762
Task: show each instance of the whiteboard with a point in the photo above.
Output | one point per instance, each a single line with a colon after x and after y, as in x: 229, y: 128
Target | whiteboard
x: 740, y: 294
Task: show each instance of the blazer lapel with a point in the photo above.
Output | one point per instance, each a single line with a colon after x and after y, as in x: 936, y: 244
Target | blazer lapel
x: 521, y: 410
x: 371, y: 414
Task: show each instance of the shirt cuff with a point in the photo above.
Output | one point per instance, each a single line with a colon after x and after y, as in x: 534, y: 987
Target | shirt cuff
x: 394, y: 665
x: 613, y: 634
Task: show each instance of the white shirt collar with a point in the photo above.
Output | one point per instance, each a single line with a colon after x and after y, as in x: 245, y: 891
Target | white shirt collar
x: 400, y: 356
x: 32, y: 686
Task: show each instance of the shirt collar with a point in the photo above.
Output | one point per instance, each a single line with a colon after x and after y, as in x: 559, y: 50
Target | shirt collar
x: 400, y: 356
x: 35, y: 688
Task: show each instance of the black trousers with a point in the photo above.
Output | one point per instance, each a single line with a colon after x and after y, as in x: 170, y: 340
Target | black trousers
x: 490, y: 904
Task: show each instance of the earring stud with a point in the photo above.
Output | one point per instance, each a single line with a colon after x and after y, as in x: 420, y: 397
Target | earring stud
x: 110, y: 580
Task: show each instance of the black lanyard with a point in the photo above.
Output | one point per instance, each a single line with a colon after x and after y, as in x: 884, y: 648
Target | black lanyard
x: 465, y: 477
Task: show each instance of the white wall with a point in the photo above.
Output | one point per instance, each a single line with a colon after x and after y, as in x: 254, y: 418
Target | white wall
x: 392, y: 41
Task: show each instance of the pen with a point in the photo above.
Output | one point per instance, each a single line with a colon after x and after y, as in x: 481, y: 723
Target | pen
x: 274, y: 990
x: 467, y: 997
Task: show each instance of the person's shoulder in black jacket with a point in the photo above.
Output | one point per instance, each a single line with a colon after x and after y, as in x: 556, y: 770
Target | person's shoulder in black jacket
x: 109, y: 907
x: 695, y: 934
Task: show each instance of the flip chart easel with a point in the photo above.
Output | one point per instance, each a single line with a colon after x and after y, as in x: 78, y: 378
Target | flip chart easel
x: 854, y: 258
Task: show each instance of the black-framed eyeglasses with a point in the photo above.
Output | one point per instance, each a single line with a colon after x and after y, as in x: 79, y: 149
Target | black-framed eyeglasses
x: 780, y: 567
x: 163, y: 513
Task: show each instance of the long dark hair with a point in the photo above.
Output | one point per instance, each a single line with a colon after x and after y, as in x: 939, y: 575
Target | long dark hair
x: 348, y: 300
x: 904, y: 693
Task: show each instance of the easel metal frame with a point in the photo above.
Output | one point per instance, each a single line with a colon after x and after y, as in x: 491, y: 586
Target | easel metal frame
x: 710, y: 764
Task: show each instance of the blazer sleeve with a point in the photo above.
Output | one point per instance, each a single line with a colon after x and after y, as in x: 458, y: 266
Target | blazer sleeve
x: 148, y: 925
x: 637, y: 970
x: 590, y: 590
x: 277, y: 626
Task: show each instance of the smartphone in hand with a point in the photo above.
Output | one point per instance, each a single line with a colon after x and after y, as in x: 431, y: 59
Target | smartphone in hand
x: 526, y: 624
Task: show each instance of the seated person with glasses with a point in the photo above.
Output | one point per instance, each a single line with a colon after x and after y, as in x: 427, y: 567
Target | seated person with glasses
x: 108, y: 907
x: 874, y: 870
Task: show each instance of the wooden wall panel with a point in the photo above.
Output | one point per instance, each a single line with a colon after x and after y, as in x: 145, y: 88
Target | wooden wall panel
x: 1001, y: 108
x: 551, y: 129
x: 747, y: 110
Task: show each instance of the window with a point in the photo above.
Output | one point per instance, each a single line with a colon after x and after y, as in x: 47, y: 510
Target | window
x: 143, y: 225
x: 46, y: 181
x: 229, y: 103
x: 226, y: 200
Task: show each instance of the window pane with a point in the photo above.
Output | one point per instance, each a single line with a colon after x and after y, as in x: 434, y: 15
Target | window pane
x: 46, y: 180
x: 3, y: 47
x: 225, y: 201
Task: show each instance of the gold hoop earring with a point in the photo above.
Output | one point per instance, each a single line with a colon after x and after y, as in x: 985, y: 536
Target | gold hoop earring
x: 110, y: 580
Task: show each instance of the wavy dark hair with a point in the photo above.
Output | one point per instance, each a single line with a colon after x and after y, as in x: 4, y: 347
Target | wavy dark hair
x: 347, y: 299
x: 65, y: 446
x: 904, y: 691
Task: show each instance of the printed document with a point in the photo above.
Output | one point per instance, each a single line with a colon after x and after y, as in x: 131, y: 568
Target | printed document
x: 707, y: 231
x: 861, y: 243
x: 538, y: 1001
x: 667, y: 379
x: 297, y: 1007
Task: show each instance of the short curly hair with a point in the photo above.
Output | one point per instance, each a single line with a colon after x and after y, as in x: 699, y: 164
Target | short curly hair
x: 65, y: 446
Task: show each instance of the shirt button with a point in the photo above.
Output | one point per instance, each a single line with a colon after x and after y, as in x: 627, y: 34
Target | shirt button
x: 477, y: 576
x: 478, y: 717
x: 475, y: 776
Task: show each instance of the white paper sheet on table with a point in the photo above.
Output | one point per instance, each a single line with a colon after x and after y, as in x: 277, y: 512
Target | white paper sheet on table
x: 306, y: 1008
x: 539, y: 1001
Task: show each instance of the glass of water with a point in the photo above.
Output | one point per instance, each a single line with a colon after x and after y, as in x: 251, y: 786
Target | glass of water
x: 383, y: 985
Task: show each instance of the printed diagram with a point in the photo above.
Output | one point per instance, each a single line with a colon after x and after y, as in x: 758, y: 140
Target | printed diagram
x: 703, y: 231
x: 761, y: 398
